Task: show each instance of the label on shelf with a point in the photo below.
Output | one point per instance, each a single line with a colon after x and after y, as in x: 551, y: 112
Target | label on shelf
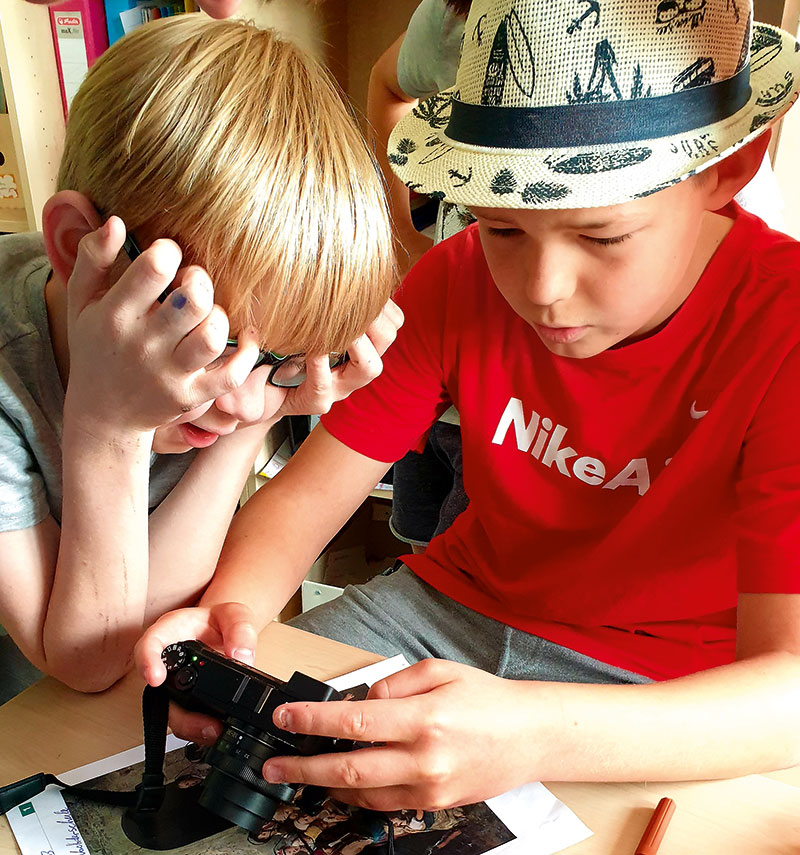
x: 70, y: 35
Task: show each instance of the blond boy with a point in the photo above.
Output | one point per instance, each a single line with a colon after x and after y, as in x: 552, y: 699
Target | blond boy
x: 130, y: 408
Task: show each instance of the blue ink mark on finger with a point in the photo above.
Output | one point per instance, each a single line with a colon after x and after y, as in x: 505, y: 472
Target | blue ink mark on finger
x: 178, y: 300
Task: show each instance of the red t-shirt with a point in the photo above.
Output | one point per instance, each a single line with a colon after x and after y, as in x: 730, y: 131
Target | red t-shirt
x: 618, y: 504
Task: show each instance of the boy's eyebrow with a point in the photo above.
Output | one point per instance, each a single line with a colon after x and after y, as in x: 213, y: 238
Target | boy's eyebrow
x: 626, y: 219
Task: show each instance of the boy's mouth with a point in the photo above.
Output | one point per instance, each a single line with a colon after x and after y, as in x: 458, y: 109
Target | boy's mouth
x: 197, y: 437
x: 560, y: 335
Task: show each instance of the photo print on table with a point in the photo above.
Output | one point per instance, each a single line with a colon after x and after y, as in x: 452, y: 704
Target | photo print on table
x: 331, y: 829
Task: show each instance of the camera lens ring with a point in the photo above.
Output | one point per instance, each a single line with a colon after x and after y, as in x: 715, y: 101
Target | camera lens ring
x: 235, y: 801
x: 234, y: 787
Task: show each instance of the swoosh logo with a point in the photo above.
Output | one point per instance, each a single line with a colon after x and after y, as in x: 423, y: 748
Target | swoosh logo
x: 695, y: 413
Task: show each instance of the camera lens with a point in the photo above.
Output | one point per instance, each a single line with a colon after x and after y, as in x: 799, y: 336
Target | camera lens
x: 235, y: 788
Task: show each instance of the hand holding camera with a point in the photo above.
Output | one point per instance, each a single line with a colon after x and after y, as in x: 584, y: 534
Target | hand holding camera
x: 201, y: 680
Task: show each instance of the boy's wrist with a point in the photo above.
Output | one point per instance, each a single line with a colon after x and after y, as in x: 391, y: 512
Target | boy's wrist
x: 245, y: 436
x: 100, y: 429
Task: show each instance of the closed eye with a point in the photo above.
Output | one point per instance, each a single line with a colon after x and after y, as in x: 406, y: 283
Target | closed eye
x: 503, y: 233
x: 607, y: 241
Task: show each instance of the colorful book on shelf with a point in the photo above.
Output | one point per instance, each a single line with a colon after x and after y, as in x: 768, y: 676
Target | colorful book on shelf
x: 123, y: 16
x: 114, y: 10
x: 79, y: 36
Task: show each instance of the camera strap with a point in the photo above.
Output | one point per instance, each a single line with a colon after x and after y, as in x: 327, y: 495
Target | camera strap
x: 148, y: 795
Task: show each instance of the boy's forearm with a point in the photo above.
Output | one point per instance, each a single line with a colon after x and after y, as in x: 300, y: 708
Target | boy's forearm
x: 281, y: 530
x: 117, y: 569
x: 264, y: 559
x: 188, y: 528
x: 386, y: 106
x: 733, y: 720
x: 96, y: 605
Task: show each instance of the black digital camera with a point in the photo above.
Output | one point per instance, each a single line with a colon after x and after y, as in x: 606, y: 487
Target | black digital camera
x: 202, y: 680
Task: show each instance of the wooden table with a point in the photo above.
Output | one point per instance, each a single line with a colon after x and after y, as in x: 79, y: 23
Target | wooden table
x: 51, y: 728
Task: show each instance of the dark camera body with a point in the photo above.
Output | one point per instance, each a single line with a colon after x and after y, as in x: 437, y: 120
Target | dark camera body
x: 202, y: 680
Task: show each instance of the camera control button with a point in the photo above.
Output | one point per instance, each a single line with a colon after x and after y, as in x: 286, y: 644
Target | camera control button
x: 185, y: 678
x: 174, y: 656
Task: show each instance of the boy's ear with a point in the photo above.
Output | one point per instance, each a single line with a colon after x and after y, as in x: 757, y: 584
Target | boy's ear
x: 66, y: 218
x: 733, y: 172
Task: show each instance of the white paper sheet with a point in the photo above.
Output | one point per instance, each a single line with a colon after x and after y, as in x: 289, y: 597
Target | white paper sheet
x: 541, y: 823
x: 44, y: 826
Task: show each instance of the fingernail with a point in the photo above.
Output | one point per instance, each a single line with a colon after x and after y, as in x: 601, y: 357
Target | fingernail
x: 245, y: 655
x: 209, y: 733
x: 178, y: 300
x: 273, y: 774
x: 281, y: 717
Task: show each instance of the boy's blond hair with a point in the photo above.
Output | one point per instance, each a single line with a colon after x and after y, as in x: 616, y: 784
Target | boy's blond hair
x: 235, y: 144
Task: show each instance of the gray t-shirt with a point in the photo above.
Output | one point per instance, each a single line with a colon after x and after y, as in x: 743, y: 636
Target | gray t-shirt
x: 32, y: 397
x: 428, y: 58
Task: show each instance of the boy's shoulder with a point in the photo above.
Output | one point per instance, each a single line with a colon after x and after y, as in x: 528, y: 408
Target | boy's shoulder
x: 450, y: 270
x: 461, y: 254
x: 769, y: 255
x: 24, y: 269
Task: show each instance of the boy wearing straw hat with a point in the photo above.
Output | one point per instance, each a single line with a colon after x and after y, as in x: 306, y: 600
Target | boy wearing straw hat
x: 621, y: 599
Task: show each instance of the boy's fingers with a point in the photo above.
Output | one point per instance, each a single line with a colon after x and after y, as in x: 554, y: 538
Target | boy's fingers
x: 196, y: 727
x: 174, y: 626
x: 219, y: 378
x: 416, y: 680
x: 365, y: 768
x: 236, y: 625
x: 188, y: 304
x: 377, y: 798
x: 383, y: 330
x: 365, y: 365
x: 202, y: 340
x: 97, y: 252
x: 146, y: 279
x: 364, y: 721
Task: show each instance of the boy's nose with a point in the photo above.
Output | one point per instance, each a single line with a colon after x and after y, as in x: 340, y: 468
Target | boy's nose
x: 241, y: 404
x: 549, y: 281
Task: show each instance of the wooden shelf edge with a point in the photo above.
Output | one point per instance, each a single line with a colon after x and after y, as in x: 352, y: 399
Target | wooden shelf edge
x: 11, y: 221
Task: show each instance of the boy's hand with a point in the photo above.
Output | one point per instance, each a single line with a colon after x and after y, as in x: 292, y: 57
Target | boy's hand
x: 228, y: 627
x: 323, y: 387
x: 257, y: 401
x: 437, y: 723
x: 135, y: 363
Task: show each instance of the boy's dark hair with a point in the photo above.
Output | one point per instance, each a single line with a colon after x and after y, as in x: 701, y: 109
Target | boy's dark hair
x: 460, y: 7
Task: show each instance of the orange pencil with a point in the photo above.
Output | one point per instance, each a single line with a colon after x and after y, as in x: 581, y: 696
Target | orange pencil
x: 654, y: 833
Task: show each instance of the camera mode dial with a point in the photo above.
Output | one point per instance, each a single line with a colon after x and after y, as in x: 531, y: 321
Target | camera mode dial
x: 174, y: 656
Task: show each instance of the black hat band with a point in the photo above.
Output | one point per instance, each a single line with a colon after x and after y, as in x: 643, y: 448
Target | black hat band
x: 599, y: 123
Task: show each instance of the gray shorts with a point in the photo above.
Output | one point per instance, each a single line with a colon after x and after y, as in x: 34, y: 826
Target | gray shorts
x: 399, y: 613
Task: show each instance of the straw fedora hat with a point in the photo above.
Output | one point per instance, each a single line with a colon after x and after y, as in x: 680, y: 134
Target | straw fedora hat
x: 582, y: 103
